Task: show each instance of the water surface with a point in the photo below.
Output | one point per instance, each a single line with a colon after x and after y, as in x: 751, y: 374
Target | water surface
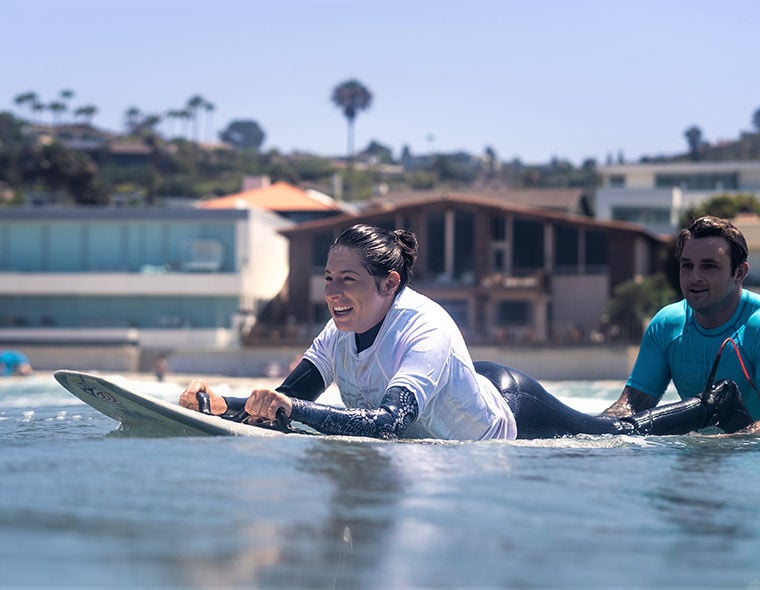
x: 84, y: 506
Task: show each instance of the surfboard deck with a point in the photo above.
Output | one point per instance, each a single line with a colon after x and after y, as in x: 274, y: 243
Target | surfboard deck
x: 144, y: 414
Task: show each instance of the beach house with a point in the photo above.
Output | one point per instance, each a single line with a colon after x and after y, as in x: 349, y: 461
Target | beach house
x: 507, y: 272
x: 146, y: 280
x: 655, y: 194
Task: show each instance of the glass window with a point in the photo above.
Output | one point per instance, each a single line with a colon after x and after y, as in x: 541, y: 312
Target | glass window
x: 566, y: 246
x: 643, y: 215
x: 527, y: 245
x: 499, y: 228
x: 513, y: 313
x: 320, y: 244
x: 698, y: 181
x: 498, y: 260
x: 464, y: 244
x: 597, y: 248
x: 435, y: 251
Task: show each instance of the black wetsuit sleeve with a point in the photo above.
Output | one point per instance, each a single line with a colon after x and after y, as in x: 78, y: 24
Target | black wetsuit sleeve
x: 304, y: 382
x: 398, y: 410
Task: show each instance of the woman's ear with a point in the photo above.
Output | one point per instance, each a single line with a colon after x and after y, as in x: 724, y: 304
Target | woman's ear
x: 391, y: 283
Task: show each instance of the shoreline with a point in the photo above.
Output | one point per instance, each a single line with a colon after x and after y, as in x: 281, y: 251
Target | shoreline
x: 560, y: 363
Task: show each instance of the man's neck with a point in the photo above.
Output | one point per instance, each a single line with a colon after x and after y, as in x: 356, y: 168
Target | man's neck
x: 720, y: 316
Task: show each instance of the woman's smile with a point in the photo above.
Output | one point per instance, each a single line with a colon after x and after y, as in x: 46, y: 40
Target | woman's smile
x: 352, y: 295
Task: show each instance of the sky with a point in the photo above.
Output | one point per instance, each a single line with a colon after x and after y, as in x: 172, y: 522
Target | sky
x: 533, y: 80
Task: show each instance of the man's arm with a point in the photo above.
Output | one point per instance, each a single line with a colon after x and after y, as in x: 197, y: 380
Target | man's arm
x: 753, y: 428
x: 630, y: 401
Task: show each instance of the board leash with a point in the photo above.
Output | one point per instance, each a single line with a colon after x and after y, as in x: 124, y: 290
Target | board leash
x: 714, y: 369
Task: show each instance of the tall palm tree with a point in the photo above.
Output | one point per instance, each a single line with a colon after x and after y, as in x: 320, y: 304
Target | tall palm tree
x: 194, y: 104
x: 27, y: 98
x: 57, y: 108
x: 172, y: 115
x: 38, y: 107
x: 351, y: 97
x: 131, y: 118
x: 209, y: 108
x: 65, y: 96
x: 87, y: 112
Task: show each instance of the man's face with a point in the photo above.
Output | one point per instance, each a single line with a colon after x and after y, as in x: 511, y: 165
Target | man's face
x: 707, y: 283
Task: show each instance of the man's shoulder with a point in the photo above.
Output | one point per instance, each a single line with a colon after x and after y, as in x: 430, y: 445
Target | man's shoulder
x: 673, y: 312
x: 752, y: 298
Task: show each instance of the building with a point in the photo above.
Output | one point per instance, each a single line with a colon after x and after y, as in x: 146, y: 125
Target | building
x: 160, y: 278
x: 566, y: 200
x: 506, y: 272
x: 656, y: 194
x: 287, y: 200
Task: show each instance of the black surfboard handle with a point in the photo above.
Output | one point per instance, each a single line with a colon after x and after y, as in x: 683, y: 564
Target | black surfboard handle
x: 281, y: 423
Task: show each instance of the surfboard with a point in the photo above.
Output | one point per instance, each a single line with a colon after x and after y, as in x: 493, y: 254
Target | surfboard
x: 144, y: 414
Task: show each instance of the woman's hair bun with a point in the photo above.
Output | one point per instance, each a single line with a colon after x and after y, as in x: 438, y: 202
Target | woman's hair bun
x: 409, y: 246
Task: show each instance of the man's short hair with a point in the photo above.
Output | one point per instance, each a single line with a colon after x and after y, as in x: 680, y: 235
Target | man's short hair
x: 709, y: 227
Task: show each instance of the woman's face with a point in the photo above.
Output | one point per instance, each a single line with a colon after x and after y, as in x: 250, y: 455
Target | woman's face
x: 352, y: 295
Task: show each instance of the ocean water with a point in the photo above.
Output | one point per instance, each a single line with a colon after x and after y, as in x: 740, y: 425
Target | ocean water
x: 84, y: 506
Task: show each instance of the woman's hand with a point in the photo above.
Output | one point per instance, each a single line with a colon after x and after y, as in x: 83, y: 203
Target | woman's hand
x: 263, y: 404
x: 189, y: 400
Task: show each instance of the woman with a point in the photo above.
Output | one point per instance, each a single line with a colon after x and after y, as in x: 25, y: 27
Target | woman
x: 403, y: 369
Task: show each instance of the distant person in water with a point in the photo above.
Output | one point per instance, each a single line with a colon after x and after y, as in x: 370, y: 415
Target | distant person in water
x: 13, y: 362
x: 716, y: 321
x: 403, y: 369
x: 160, y: 367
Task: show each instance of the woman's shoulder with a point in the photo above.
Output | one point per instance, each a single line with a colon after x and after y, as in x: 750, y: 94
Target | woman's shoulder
x: 415, y: 303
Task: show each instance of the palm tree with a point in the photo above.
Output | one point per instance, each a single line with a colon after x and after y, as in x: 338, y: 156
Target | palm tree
x: 57, y: 108
x: 194, y: 104
x: 65, y: 96
x: 209, y: 108
x: 185, y: 115
x: 131, y: 118
x: 351, y: 97
x: 171, y: 116
x: 87, y: 112
x: 27, y: 98
x: 38, y: 107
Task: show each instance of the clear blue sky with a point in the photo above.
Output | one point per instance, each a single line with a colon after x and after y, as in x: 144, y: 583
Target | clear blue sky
x: 534, y: 80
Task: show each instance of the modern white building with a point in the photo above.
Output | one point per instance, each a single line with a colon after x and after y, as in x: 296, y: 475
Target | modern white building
x: 161, y: 278
x: 656, y: 194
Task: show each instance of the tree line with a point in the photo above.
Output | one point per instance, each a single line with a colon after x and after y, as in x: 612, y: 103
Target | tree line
x: 180, y: 165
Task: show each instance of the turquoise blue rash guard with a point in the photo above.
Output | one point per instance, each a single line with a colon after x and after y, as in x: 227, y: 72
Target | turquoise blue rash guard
x: 676, y: 347
x: 10, y: 361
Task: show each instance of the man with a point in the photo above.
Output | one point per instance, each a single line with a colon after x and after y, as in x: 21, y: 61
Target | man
x: 684, y: 339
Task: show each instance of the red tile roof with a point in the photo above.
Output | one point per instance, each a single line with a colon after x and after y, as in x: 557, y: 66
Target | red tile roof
x: 280, y: 196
